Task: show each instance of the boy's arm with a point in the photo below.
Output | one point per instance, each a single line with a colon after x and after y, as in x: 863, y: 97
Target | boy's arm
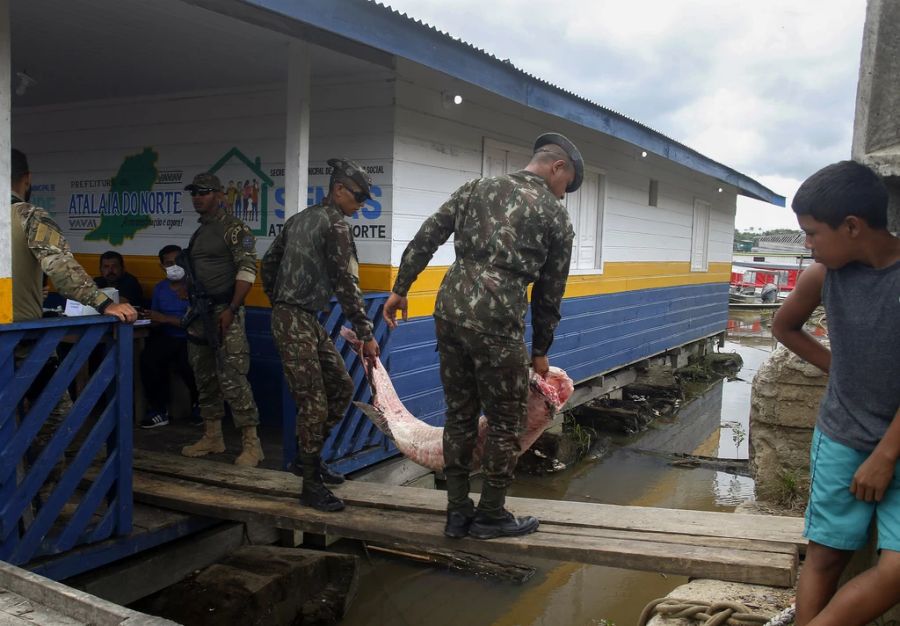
x: 793, y: 314
x: 875, y: 474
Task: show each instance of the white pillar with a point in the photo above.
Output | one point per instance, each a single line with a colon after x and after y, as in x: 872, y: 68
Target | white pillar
x: 296, y: 157
x: 5, y: 235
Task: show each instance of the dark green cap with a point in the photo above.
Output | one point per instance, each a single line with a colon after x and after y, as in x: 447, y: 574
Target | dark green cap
x: 569, y: 148
x: 205, y: 180
x: 351, y: 170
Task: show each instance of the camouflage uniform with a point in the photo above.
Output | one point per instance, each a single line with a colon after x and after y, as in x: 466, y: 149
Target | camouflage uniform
x: 38, y: 247
x: 223, y: 250
x: 313, y: 257
x: 509, y: 231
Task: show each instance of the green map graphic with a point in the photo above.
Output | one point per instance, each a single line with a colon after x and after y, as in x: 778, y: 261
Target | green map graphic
x: 137, y: 173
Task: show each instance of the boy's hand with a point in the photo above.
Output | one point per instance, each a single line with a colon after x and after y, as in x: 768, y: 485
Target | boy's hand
x: 873, y: 477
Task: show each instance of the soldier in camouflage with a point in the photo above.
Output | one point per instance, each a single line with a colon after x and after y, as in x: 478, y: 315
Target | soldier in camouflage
x: 509, y: 231
x: 222, y: 254
x: 311, y: 259
x: 38, y: 247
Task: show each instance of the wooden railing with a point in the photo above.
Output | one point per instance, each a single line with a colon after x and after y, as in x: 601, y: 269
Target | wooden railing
x: 35, y: 485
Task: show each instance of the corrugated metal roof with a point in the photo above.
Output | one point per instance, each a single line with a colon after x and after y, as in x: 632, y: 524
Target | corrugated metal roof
x: 378, y: 26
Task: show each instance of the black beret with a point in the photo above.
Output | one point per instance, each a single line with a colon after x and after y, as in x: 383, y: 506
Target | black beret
x: 350, y: 170
x: 569, y: 148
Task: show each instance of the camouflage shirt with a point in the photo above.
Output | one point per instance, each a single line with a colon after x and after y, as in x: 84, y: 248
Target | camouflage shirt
x: 509, y: 231
x: 38, y: 247
x: 223, y: 250
x: 312, y: 258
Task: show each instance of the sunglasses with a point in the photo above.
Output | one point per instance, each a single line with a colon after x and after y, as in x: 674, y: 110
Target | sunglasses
x: 359, y: 196
x: 203, y: 191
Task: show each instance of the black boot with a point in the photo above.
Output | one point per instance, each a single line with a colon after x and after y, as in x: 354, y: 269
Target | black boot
x: 505, y: 524
x: 314, y: 493
x: 459, y: 520
x: 329, y: 476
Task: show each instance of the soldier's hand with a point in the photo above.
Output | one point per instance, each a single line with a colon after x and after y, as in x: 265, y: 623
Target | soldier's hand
x: 371, y: 351
x: 540, y: 365
x: 225, y: 320
x: 395, y: 302
x: 124, y: 311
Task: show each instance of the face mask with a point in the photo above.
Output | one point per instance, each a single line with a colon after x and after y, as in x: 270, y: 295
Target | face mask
x: 175, y: 273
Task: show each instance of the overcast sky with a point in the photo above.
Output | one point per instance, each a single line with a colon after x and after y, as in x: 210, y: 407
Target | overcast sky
x: 767, y: 87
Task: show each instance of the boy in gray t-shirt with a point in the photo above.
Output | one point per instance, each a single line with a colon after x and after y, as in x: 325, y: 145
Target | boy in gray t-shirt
x: 854, y: 474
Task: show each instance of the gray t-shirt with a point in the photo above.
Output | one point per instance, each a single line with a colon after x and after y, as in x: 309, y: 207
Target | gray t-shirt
x: 863, y: 394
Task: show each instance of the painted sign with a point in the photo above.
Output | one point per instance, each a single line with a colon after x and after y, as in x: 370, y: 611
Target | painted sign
x: 142, y: 205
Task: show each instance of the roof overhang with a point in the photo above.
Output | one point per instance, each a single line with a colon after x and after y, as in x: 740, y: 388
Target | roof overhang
x: 369, y: 30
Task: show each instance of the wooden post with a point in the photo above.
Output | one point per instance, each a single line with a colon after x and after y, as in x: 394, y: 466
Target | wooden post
x: 296, y: 157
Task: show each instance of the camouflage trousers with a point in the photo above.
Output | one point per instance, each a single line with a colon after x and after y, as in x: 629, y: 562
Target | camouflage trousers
x: 315, y: 373
x: 223, y: 377
x: 57, y: 414
x: 489, y: 374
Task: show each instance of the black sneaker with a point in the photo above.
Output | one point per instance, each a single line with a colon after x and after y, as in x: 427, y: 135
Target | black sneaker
x: 508, y: 525
x: 155, y: 420
x: 318, y: 496
x: 457, y: 525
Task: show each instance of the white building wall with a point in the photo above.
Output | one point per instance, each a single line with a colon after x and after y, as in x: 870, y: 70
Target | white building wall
x: 74, y: 151
x: 439, y: 147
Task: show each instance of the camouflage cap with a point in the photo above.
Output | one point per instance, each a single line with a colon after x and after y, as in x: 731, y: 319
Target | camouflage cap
x: 351, y: 170
x: 569, y: 148
x: 205, y: 180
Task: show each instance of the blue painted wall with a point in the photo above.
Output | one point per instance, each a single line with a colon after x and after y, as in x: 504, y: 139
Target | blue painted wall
x: 597, y: 334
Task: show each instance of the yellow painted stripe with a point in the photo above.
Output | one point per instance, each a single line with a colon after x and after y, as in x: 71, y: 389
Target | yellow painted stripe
x: 616, y: 277
x: 6, y: 301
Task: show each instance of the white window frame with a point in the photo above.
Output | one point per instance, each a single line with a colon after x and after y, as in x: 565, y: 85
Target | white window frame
x: 700, y: 217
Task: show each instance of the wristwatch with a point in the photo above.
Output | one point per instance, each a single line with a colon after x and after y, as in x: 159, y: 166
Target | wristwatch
x: 103, y: 306
x: 234, y: 309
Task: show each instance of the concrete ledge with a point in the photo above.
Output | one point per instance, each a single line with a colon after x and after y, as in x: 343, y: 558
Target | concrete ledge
x: 72, y: 603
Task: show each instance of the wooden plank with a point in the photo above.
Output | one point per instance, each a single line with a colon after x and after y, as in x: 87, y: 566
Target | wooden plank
x: 770, y: 528
x: 369, y: 523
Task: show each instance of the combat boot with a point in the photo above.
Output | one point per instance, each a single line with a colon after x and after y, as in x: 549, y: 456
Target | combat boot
x: 459, y: 521
x: 329, y: 476
x: 251, y: 453
x: 316, y: 494
x: 211, y: 442
x: 504, y: 524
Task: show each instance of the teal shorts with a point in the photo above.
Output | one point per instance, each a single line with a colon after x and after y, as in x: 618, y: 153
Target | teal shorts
x: 834, y: 517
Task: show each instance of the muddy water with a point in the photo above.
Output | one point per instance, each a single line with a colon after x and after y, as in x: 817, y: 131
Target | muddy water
x: 714, y: 424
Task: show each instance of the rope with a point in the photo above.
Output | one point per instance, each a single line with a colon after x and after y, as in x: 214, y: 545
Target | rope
x: 712, y: 613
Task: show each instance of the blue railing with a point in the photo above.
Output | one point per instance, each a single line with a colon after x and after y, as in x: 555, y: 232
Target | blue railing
x: 355, y: 435
x: 34, y: 518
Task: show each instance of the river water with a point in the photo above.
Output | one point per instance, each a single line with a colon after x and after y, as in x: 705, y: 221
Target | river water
x: 716, y: 423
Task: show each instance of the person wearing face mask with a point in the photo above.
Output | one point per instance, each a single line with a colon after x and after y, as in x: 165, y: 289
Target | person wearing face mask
x: 167, y: 347
x: 509, y: 232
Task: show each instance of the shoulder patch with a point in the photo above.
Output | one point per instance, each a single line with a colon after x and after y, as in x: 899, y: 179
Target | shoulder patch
x: 249, y: 243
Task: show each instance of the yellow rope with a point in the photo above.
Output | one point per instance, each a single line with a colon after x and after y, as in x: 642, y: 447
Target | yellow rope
x: 707, y: 613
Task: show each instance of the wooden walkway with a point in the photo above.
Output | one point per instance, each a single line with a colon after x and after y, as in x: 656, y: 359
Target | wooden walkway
x: 726, y: 546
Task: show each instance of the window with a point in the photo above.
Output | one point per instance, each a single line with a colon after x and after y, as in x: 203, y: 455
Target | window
x: 586, y: 212
x: 700, y: 237
x: 653, y: 196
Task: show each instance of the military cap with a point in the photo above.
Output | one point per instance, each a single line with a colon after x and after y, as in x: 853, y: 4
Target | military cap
x: 569, y: 148
x: 351, y: 170
x: 205, y: 180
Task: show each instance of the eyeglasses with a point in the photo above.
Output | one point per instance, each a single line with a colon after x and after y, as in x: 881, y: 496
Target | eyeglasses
x: 202, y: 191
x: 359, y: 196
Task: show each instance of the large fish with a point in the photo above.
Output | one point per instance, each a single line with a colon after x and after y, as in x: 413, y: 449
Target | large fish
x: 423, y: 443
